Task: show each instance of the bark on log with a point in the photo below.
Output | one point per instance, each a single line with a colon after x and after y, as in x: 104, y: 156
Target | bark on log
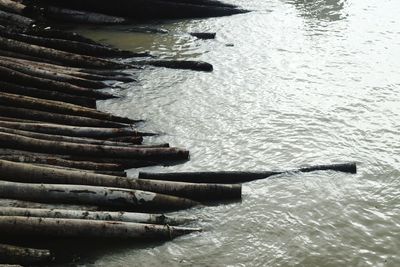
x: 66, y: 58
x: 47, y: 95
x: 121, y: 216
x: 21, y: 172
x: 21, y: 255
x: 36, y: 205
x: 122, y: 199
x: 231, y: 177
x: 59, y: 107
x: 12, y: 6
x: 50, y: 227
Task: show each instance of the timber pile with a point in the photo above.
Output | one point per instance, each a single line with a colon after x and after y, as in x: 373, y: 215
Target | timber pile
x: 62, y: 161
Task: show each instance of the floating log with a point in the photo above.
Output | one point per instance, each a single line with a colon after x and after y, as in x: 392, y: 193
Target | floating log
x: 204, y: 35
x: 70, y: 59
x: 47, y: 95
x: 231, y: 177
x: 59, y: 107
x: 21, y: 172
x: 50, y: 227
x: 177, y: 64
x: 21, y: 255
x: 96, y: 215
x: 116, y: 198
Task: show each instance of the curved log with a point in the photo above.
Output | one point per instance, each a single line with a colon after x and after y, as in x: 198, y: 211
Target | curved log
x: 21, y: 255
x: 231, y: 177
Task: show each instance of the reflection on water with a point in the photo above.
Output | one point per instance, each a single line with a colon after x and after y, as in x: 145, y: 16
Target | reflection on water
x: 285, y: 95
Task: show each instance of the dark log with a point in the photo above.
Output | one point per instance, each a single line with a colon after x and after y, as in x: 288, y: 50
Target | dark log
x: 70, y: 59
x: 134, y: 217
x: 21, y: 255
x: 29, y: 173
x: 59, y: 107
x: 125, y: 199
x: 36, y: 205
x: 49, y: 95
x: 178, y: 64
x: 48, y: 32
x: 231, y: 177
x: 50, y: 227
x: 204, y: 35
x: 15, y: 19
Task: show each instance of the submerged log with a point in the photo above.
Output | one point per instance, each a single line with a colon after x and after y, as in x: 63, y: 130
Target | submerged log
x: 96, y: 215
x: 50, y: 227
x: 231, y: 177
x: 29, y: 173
x: 116, y: 198
x: 21, y: 255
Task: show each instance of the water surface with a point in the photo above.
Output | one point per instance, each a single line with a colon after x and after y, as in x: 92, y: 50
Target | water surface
x: 295, y: 83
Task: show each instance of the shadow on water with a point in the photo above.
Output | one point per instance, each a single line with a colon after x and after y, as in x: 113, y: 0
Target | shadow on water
x: 323, y: 10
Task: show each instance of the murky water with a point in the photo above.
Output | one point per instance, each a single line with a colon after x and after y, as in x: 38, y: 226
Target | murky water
x: 295, y: 83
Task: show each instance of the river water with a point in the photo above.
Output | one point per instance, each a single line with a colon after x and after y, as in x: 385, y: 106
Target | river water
x: 295, y: 83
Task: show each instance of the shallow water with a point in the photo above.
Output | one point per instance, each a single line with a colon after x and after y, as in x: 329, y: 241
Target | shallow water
x: 295, y: 83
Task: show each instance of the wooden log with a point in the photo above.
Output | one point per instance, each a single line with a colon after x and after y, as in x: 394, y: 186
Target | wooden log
x: 47, y: 95
x: 204, y: 35
x: 58, y: 56
x: 12, y: 254
x: 53, y: 160
x: 15, y: 19
x: 13, y: 76
x: 177, y: 64
x: 28, y: 173
x: 49, y: 32
x: 59, y: 107
x: 116, y: 198
x: 96, y: 215
x: 109, y: 173
x: 55, y: 118
x: 231, y: 177
x: 50, y: 227
x: 36, y: 205
x: 12, y: 6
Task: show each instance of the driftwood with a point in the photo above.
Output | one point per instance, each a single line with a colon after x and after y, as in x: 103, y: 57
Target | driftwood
x: 8, y: 203
x: 21, y: 255
x: 12, y: 6
x: 204, y: 35
x: 116, y: 198
x: 50, y: 227
x: 239, y: 177
x: 21, y: 172
x: 177, y: 64
x: 96, y: 215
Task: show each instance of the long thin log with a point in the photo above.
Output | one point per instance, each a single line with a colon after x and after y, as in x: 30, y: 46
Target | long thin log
x: 11, y: 18
x: 48, y: 95
x: 59, y: 107
x: 59, y: 56
x: 7, y: 203
x: 125, y: 199
x: 21, y: 255
x: 96, y: 215
x: 21, y: 172
x: 177, y: 64
x: 231, y: 177
x: 50, y: 227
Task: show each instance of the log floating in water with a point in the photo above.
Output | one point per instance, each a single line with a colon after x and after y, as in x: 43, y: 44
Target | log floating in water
x: 204, y: 35
x: 50, y: 227
x: 239, y: 177
x: 177, y: 64
x: 116, y: 198
x: 21, y: 255
x: 96, y: 215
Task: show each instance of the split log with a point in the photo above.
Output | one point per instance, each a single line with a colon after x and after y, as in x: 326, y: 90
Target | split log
x: 231, y: 177
x: 50, y: 227
x: 66, y: 58
x: 55, y: 118
x: 178, y: 64
x: 21, y: 255
x: 47, y: 95
x: 59, y: 107
x: 14, y: 76
x: 53, y: 160
x: 96, y: 215
x: 22, y: 172
x: 125, y: 199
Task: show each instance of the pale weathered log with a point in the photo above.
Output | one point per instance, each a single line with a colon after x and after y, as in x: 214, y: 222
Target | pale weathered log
x: 29, y: 173
x: 116, y: 198
x: 12, y: 6
x: 51, y: 227
x: 38, y: 145
x: 59, y: 56
x: 55, y: 118
x: 232, y: 177
x: 48, y: 95
x: 59, y: 107
x: 12, y: 254
x: 7, y: 203
x: 96, y: 215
